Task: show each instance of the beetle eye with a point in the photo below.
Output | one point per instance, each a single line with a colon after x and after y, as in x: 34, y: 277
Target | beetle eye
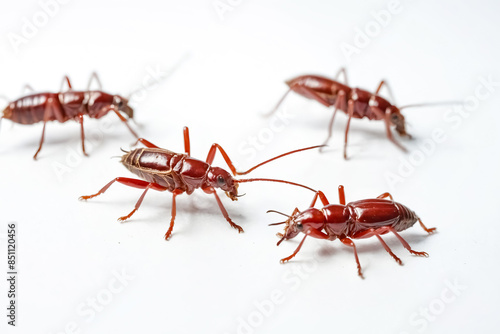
x: 120, y: 104
x: 299, y: 226
x: 220, y: 181
x: 395, y: 117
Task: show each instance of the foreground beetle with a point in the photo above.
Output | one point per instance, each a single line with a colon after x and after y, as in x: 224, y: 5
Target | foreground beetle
x: 355, y: 220
x: 178, y: 173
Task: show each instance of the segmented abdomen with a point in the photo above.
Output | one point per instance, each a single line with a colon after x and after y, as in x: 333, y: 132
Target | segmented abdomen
x: 156, y: 165
x: 375, y: 213
x: 30, y: 109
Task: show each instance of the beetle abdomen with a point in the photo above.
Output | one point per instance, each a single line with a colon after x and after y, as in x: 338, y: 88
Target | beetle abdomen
x: 375, y: 213
x: 30, y: 109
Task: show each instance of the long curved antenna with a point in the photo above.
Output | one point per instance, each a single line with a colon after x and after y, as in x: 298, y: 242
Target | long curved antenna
x: 432, y: 104
x: 275, y: 180
x: 277, y: 223
x: 281, y: 213
x: 277, y: 157
x: 172, y: 69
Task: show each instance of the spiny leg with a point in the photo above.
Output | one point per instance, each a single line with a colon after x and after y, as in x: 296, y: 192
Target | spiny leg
x: 428, y: 230
x: 172, y: 219
x: 350, y: 111
x: 405, y: 244
x: 223, y: 210
x: 350, y: 243
x: 80, y: 120
x: 386, y: 247
x: 95, y: 77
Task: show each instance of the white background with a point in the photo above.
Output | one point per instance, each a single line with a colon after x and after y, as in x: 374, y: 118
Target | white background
x: 208, y: 278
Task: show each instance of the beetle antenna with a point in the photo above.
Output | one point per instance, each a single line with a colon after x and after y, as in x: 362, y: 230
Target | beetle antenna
x: 275, y: 180
x: 169, y: 73
x: 281, y: 213
x: 277, y: 223
x: 121, y: 149
x: 277, y: 157
x: 432, y: 104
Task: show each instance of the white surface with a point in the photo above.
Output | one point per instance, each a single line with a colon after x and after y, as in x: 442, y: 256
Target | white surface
x: 207, y: 277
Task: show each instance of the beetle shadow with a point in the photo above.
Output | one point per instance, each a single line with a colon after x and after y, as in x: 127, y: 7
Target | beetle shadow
x: 375, y: 246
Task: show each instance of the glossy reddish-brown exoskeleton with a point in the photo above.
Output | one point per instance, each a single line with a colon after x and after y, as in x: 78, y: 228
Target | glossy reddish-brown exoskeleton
x: 355, y: 220
x: 164, y: 170
x: 67, y: 105
x: 355, y: 102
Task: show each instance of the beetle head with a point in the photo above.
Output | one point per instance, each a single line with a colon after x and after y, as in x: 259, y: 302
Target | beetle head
x: 121, y: 104
x: 219, y: 178
x: 398, y: 120
x: 300, y: 222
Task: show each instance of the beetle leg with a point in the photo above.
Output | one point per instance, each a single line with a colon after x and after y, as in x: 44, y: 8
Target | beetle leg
x: 405, y: 244
x: 288, y: 258
x: 211, y: 190
x: 172, y: 219
x: 428, y: 230
x: 66, y: 80
x: 187, y: 145
x: 384, y: 83
x: 278, y: 104
x: 51, y: 109
x: 27, y: 87
x: 350, y: 111
x: 342, y: 71
x: 385, y: 116
x: 341, y: 195
x: 385, y: 195
x: 386, y: 247
x: 340, y: 98
x: 350, y: 243
x: 97, y: 80
x: 124, y: 120
x: 319, y: 194
x: 145, y: 142
x: 80, y: 120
